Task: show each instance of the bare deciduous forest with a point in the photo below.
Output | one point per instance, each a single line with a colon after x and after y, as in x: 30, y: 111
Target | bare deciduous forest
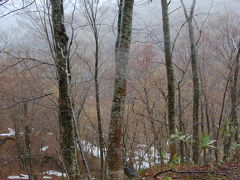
x: 119, y: 89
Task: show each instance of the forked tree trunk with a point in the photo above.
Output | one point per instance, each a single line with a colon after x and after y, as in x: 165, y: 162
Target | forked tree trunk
x: 195, y: 80
x: 64, y: 110
x: 114, y: 155
x: 170, y: 76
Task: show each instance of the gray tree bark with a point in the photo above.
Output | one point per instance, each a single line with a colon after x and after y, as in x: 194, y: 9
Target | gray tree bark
x: 114, y: 154
x: 195, y: 79
x: 170, y: 76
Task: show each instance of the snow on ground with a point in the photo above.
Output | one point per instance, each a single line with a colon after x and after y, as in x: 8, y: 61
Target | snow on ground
x: 44, y: 148
x: 54, y: 173
x: 22, y: 176
x: 90, y: 148
x: 47, y: 177
x: 142, y: 158
x: 145, y: 159
x: 49, y: 173
x: 11, y: 133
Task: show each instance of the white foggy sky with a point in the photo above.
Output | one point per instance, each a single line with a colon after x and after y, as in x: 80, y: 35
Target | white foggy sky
x: 147, y: 11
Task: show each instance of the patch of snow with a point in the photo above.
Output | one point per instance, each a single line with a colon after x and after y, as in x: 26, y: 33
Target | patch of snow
x: 90, y: 148
x: 50, y: 133
x: 44, y: 148
x: 47, y: 177
x: 11, y: 133
x: 22, y: 176
x: 142, y: 145
x: 141, y: 158
x: 55, y: 173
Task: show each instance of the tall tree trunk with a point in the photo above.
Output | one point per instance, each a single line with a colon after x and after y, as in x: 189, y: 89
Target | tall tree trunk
x: 170, y: 76
x: 97, y: 95
x: 64, y: 112
x: 195, y: 96
x: 99, y: 119
x: 233, y: 124
x: 234, y: 101
x: 91, y: 11
x: 114, y: 155
x: 195, y: 79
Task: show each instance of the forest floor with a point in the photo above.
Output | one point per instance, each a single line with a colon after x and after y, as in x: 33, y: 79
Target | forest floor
x: 226, y: 171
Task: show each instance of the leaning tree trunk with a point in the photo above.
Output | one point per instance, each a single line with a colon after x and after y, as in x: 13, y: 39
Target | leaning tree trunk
x: 114, y: 155
x: 170, y: 76
x: 64, y: 110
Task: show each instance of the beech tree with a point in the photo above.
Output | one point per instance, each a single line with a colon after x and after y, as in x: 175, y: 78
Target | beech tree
x: 170, y: 75
x: 195, y: 79
x: 65, y: 114
x: 114, y: 156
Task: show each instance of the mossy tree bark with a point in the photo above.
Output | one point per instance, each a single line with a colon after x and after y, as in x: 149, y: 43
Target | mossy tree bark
x: 170, y: 76
x: 114, y: 155
x: 65, y: 115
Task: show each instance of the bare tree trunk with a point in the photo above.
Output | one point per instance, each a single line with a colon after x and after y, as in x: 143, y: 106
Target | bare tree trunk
x: 207, y: 119
x: 28, y: 155
x: 233, y: 124
x: 181, y: 123
x: 134, y: 137
x: 220, y: 119
x: 100, y: 132
x: 170, y: 76
x: 234, y: 101
x: 114, y: 155
x: 195, y: 79
x: 91, y: 9
x: 202, y: 129
x: 19, y: 146
x: 97, y: 95
x: 65, y: 112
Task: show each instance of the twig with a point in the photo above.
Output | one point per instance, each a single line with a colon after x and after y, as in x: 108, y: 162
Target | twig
x: 27, y: 100
x: 183, y: 172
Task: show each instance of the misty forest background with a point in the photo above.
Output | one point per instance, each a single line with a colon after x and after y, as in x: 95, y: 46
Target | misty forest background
x: 106, y: 89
